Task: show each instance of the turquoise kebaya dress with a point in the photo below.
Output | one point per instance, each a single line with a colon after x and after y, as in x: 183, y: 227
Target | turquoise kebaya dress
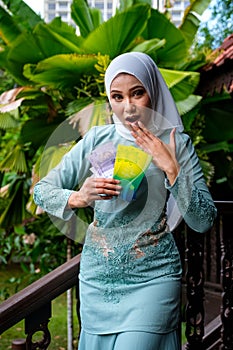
x: 130, y: 269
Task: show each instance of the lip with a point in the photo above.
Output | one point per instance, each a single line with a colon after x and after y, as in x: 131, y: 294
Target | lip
x: 132, y: 118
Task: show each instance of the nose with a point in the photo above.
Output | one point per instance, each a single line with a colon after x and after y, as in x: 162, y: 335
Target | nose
x: 129, y: 107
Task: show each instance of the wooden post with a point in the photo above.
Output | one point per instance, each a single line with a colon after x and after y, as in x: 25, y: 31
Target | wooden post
x: 18, y: 344
x: 227, y: 280
x: 195, y: 290
x: 38, y: 322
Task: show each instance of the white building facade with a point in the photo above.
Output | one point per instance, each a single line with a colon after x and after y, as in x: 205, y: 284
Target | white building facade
x: 61, y: 8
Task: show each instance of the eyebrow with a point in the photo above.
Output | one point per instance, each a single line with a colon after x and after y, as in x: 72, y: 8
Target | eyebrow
x: 133, y: 88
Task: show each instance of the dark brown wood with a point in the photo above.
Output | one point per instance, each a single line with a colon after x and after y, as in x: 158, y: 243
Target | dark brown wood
x: 18, y: 344
x: 42, y: 344
x: 39, y: 293
x: 227, y: 280
x: 212, y: 333
x: 195, y: 290
x: 38, y: 322
x: 217, y: 75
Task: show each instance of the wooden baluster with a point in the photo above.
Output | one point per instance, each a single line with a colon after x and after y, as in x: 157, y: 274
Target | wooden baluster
x: 18, y: 344
x: 227, y: 282
x: 78, y: 304
x: 195, y: 290
x: 38, y: 322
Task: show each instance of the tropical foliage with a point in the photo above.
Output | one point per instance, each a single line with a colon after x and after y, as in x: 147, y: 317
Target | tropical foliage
x: 57, y: 72
x: 217, y: 26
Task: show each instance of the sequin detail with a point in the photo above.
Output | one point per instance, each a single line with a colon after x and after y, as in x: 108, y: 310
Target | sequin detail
x: 114, y: 270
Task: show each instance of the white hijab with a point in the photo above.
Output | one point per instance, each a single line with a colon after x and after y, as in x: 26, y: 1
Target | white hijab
x: 145, y: 70
x: 166, y: 115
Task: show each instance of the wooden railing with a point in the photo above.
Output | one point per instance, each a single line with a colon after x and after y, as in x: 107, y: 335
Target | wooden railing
x: 33, y: 303
x: 207, y: 263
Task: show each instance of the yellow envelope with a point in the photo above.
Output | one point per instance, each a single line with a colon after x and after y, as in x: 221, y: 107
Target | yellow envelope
x: 129, y: 167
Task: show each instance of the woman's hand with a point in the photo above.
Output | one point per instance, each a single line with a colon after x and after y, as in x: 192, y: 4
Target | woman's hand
x: 163, y: 155
x: 94, y: 189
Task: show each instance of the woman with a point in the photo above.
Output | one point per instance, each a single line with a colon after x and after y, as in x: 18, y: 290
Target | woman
x: 130, y: 268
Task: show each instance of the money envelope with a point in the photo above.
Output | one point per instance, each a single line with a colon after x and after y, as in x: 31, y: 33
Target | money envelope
x: 129, y: 167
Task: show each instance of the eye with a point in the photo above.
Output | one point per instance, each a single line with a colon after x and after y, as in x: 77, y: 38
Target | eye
x: 117, y: 97
x: 139, y: 92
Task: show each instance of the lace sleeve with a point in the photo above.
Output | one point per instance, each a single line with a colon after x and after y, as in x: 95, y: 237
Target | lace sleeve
x: 194, y: 202
x: 53, y: 200
x: 190, y: 191
x: 51, y: 193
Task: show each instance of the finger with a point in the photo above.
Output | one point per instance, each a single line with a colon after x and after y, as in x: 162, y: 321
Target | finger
x: 107, y: 188
x: 142, y: 136
x: 173, y: 140
x: 144, y: 129
x: 107, y: 181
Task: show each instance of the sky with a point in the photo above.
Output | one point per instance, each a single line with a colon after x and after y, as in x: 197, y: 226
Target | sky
x: 36, y: 5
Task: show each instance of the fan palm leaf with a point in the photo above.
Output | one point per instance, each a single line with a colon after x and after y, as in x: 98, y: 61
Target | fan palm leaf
x: 86, y: 18
x: 15, y: 211
x: 184, y: 106
x: 69, y: 67
x: 117, y: 34
x: 174, y: 50
x: 15, y: 161
x: 180, y: 83
x: 7, y: 121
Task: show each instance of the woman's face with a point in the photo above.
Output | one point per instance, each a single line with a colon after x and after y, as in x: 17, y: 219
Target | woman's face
x: 128, y: 99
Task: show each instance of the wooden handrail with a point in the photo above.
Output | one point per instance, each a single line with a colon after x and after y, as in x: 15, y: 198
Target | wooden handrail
x: 39, y: 293
x: 212, y: 333
x: 225, y: 207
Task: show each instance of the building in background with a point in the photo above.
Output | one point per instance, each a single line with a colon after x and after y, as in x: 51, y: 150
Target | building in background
x: 61, y: 8
x: 177, y: 10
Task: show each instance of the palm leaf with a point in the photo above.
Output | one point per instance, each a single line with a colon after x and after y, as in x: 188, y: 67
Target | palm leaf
x: 69, y: 67
x: 218, y: 121
x: 23, y: 50
x: 39, y: 132
x: 23, y: 14
x: 218, y: 146
x: 181, y: 84
x: 9, y: 29
x: 24, y: 96
x: 15, y: 212
x: 81, y: 14
x: 76, y: 105
x: 96, y: 16
x: 96, y: 113
x: 149, y: 46
x: 191, y: 21
x: 7, y: 121
x: 185, y: 106
x: 15, y: 161
x: 51, y: 157
x: 32, y: 47
x: 56, y: 37
x: 174, y: 50
x: 115, y: 35
x: 208, y: 171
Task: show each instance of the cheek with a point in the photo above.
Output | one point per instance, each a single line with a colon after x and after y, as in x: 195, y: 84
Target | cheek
x: 147, y: 102
x: 117, y: 108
